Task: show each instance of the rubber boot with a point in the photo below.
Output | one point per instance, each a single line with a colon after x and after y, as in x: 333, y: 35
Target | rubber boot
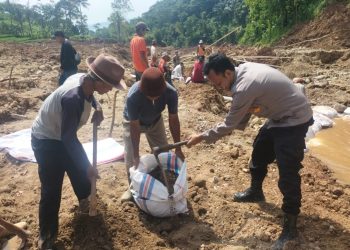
x: 289, y: 231
x: 253, y: 194
x: 46, y: 243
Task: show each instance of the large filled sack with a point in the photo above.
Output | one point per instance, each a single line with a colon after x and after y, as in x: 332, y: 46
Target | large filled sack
x: 320, y: 122
x: 347, y: 111
x: 326, y: 110
x: 325, y: 121
x: 150, y: 194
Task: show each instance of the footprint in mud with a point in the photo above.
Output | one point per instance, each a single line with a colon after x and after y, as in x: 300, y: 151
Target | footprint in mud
x: 192, y: 235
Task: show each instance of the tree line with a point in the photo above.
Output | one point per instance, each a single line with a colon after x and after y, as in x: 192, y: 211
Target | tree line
x: 185, y: 22
x: 173, y: 22
x: 40, y: 21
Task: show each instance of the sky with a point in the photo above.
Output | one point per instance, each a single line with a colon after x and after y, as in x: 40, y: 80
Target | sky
x: 99, y: 10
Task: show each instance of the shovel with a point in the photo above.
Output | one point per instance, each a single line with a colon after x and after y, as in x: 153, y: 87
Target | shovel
x: 160, y: 149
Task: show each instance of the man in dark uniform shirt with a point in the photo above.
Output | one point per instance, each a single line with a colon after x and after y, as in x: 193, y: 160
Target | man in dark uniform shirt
x: 67, y: 57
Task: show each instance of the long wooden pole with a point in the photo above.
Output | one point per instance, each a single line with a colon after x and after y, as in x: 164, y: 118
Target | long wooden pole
x: 93, y: 199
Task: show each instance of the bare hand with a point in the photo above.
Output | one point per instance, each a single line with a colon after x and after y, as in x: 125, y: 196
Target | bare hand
x: 97, y: 117
x: 194, y: 139
x: 179, y: 154
x: 92, y: 173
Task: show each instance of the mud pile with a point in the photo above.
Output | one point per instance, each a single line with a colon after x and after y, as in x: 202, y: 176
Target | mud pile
x: 204, y: 98
x: 13, y: 106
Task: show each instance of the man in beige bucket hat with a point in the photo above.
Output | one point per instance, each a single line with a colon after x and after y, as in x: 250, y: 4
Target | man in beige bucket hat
x: 55, y: 143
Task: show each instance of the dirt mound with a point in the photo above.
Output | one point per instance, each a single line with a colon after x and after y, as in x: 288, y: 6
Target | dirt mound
x: 12, y: 105
x: 266, y: 51
x: 204, y: 97
x: 332, y: 26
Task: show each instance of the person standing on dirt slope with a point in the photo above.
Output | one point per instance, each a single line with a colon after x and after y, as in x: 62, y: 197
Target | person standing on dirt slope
x: 176, y: 59
x: 154, y: 54
x: 68, y: 62
x: 164, y: 67
x: 139, y: 50
x: 264, y: 91
x: 143, y: 114
x: 56, y: 146
x: 200, y: 49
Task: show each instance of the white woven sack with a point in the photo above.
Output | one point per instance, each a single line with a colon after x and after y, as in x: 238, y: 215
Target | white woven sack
x: 151, y: 195
x: 325, y: 110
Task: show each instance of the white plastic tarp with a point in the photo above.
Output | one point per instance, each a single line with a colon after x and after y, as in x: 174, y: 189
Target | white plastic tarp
x: 18, y: 145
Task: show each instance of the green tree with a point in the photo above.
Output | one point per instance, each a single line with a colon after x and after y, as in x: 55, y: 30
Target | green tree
x: 117, y: 19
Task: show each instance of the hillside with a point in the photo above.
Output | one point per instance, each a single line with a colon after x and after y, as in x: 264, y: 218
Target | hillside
x: 330, y: 30
x: 183, y: 23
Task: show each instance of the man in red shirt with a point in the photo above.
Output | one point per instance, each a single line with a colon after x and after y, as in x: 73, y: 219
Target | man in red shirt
x: 200, y: 49
x: 197, y: 72
x: 139, y: 50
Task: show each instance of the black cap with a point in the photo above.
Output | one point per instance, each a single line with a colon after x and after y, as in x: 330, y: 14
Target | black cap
x: 141, y: 26
x: 58, y: 34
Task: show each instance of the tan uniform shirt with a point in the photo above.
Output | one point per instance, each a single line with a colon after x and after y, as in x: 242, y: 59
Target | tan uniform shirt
x: 265, y: 92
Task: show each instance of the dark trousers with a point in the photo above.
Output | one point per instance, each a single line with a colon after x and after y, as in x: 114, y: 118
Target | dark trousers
x: 286, y: 145
x: 138, y: 75
x: 65, y: 74
x: 54, y: 161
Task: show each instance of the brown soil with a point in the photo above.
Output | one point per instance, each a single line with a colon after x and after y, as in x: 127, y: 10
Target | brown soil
x: 333, y: 21
x: 169, y: 175
x: 215, y: 172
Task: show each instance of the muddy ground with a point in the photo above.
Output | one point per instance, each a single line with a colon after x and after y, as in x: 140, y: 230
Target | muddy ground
x: 215, y: 171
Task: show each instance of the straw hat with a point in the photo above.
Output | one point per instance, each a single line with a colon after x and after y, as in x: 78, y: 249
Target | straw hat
x: 108, y: 69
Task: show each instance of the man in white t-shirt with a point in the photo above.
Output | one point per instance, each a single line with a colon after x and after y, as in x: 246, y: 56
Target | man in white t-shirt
x: 177, y: 73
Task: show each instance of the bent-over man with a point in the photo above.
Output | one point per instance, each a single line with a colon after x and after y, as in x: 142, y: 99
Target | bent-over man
x: 264, y: 91
x: 145, y: 103
x: 56, y: 146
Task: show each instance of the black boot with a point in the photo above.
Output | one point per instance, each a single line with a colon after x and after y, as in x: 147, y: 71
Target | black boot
x: 252, y: 194
x: 289, y: 231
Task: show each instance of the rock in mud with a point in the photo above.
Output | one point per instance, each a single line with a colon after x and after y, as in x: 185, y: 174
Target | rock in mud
x: 321, y: 84
x: 338, y: 192
x: 200, y: 181
x: 340, y: 108
x: 234, y: 153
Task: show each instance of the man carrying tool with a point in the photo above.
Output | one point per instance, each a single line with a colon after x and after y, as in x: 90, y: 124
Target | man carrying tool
x: 143, y: 114
x: 139, y: 50
x: 261, y: 90
x: 67, y: 57
x: 56, y: 146
x: 200, y: 49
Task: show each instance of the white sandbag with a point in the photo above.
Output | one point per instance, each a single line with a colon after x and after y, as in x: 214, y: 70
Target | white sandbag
x: 313, y: 129
x: 323, y: 120
x: 347, y: 111
x: 151, y: 195
x: 325, y: 110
